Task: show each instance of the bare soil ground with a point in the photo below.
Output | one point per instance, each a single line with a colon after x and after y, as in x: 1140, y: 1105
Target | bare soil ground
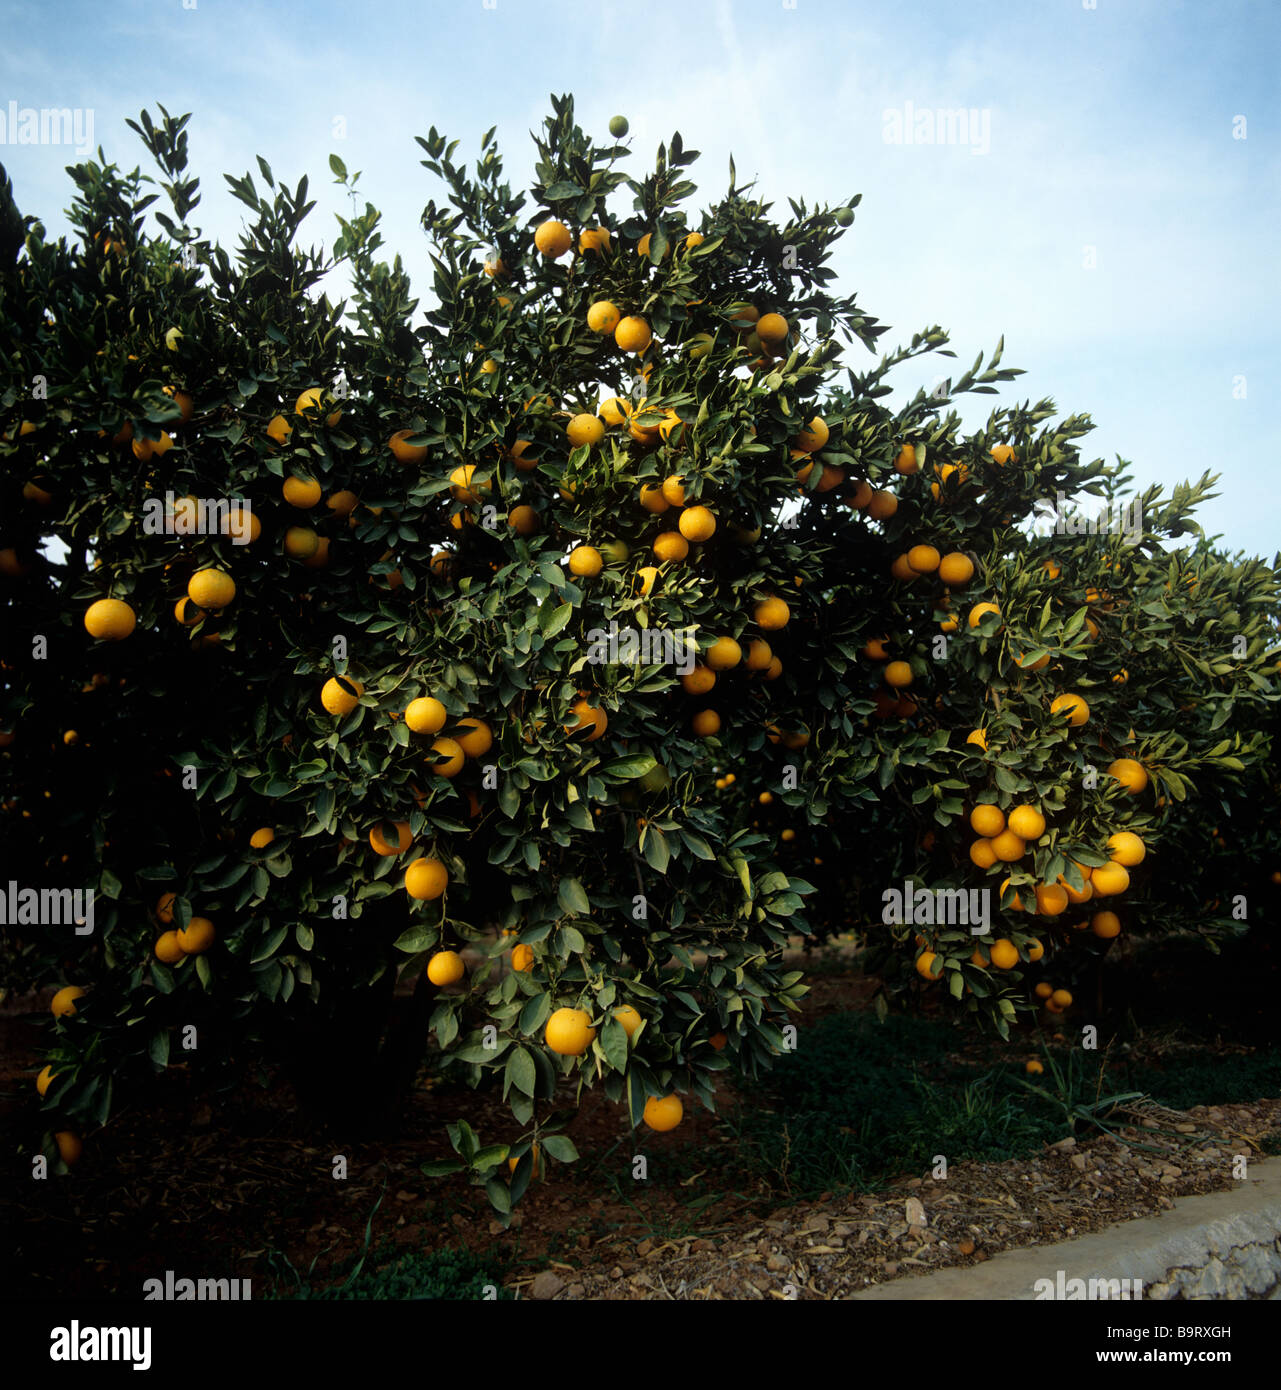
x: 225, y: 1187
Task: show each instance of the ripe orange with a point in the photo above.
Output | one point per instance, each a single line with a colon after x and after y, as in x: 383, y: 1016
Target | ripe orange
x: 882, y: 505
x: 924, y: 559
x: 663, y: 1113
x: 982, y: 854
x: 168, y: 948
x: 1062, y: 998
x: 426, y: 879
x: 587, y: 716
x: 46, y: 1079
x: 633, y: 334
x: 520, y: 456
x: 955, y: 570
x: 697, y: 524
x: 522, y: 958
x: 1127, y: 848
x: 585, y: 561
x: 698, y: 681
x: 987, y: 820
x: 674, y: 490
x: 1027, y: 822
x: 771, y: 614
x: 478, y: 739
x: 262, y: 837
x: 593, y: 239
x: 906, y: 461
x: 63, y: 1004
x: 670, y: 547
x: 445, y: 968
x: 615, y: 410
x: 1073, y: 706
x: 1033, y: 1067
x: 426, y: 715
x: 301, y: 542
x: 629, y: 1018
x: 1016, y: 903
x: 585, y: 429
x: 449, y: 759
x: 978, y: 611
x: 69, y: 1146
x: 706, y: 723
x: 901, y: 570
x: 759, y: 656
x: 279, y: 429
x: 1106, y: 925
x: 813, y: 436
x: 603, y: 317
x: 1110, y: 879
x: 1008, y: 846
x: 1005, y: 955
x: 1043, y: 990
x: 379, y: 843
x: 301, y: 492
x: 406, y: 453
x: 925, y: 964
x: 652, y: 499
x: 1131, y: 774
x: 523, y: 520
x: 211, y: 589
x: 340, y: 695
x: 1003, y: 453
x: 723, y: 654
x: 898, y: 674
x: 569, y: 1032
x: 164, y: 908
x: 553, y: 238
x: 1035, y: 950
x: 197, y: 936
x: 1051, y: 900
x: 462, y: 489
x: 109, y: 619
x: 771, y: 328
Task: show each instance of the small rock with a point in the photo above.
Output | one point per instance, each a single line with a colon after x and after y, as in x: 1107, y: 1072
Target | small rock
x: 914, y: 1211
x: 406, y: 1196
x: 616, y: 1272
x: 546, y: 1285
x: 1160, y: 1292
x: 965, y: 1247
x: 1064, y: 1145
x: 914, y: 1182
x: 645, y: 1247
x: 700, y: 1246
x: 776, y: 1263
x: 891, y: 1268
x: 1171, y: 1170
x: 1185, y: 1129
x: 1214, y: 1113
x: 495, y: 1228
x: 1078, y: 1162
x: 842, y: 1229
x: 576, y: 1291
x: 1149, y: 1124
x: 818, y: 1224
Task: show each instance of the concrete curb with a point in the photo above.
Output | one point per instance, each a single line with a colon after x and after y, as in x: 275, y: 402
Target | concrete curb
x: 1196, y: 1231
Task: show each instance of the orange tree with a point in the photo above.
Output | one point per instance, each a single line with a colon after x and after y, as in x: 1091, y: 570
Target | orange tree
x: 301, y: 755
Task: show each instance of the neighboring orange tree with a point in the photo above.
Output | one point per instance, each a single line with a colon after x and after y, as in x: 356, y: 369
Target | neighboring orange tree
x: 375, y: 734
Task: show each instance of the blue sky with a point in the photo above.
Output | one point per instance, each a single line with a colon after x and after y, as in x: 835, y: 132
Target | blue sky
x: 1108, y: 128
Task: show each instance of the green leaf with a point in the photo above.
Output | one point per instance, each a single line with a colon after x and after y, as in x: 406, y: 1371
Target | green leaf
x: 560, y: 1147
x: 520, y: 1072
x: 573, y: 897
x: 416, y: 938
x: 270, y: 944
